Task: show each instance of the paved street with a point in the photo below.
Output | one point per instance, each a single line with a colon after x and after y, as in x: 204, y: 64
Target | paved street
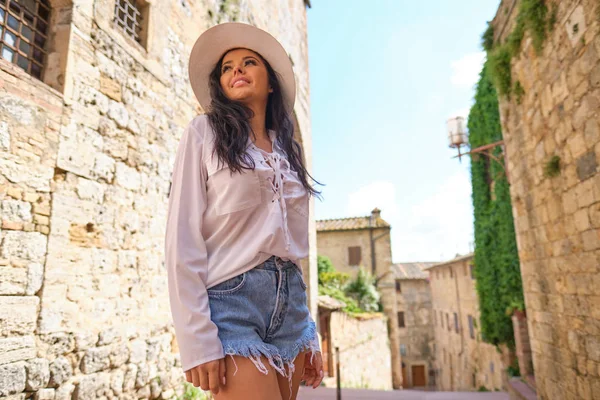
x: 360, y: 394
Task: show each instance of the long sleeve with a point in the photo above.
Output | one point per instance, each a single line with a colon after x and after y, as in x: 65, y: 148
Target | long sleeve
x: 186, y: 254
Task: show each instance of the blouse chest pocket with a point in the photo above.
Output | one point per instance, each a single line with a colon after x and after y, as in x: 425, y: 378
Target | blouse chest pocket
x: 235, y: 191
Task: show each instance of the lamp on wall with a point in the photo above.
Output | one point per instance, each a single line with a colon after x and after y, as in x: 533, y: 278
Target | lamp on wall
x: 458, y: 139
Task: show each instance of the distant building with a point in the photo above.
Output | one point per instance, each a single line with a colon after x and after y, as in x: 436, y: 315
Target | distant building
x: 356, y: 242
x: 462, y: 361
x: 415, y: 323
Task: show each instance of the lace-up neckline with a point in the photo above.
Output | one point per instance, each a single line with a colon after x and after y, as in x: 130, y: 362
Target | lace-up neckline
x: 278, y: 165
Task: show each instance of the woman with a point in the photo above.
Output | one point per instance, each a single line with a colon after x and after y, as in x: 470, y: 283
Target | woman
x: 237, y: 225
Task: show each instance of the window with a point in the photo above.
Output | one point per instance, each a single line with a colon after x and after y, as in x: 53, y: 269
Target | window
x: 354, y: 256
x: 131, y: 17
x: 434, y: 318
x: 466, y: 270
x: 471, y: 328
x: 24, y: 33
x: 474, y: 380
x: 451, y: 273
x: 448, y: 322
x: 456, y: 322
x: 403, y: 349
x: 472, y: 268
x: 441, y: 319
x: 401, y: 319
x: 492, y: 367
x: 398, y: 287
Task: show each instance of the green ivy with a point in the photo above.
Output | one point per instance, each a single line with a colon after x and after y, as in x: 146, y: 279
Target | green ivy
x: 497, y: 270
x: 533, y: 17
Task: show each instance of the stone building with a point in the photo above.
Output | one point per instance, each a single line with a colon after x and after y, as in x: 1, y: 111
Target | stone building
x: 363, y: 347
x: 462, y: 361
x: 94, y: 96
x: 365, y: 242
x: 557, y: 214
x: 415, y: 323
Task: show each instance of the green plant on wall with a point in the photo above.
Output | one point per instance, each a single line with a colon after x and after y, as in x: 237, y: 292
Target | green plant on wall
x: 552, y: 167
x: 497, y: 270
x: 534, y: 18
x: 359, y: 294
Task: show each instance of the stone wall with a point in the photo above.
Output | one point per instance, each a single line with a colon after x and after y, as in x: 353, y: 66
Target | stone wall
x: 334, y: 244
x: 85, y: 165
x: 462, y: 362
x: 365, y: 359
x: 414, y: 300
x: 557, y: 219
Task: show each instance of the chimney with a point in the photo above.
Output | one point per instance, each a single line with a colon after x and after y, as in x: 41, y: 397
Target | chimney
x: 376, y: 214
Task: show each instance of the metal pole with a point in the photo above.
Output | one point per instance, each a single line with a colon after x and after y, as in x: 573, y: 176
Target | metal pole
x: 337, y: 368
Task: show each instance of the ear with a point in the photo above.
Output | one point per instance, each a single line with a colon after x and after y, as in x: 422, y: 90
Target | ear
x: 270, y: 89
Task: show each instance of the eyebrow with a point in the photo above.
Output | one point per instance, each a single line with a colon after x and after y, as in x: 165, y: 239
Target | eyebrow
x: 245, y: 58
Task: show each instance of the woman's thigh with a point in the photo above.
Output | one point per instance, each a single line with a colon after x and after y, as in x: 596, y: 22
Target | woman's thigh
x: 248, y: 383
x: 284, y: 384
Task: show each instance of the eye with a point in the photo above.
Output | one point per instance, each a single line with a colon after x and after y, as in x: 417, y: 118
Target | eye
x: 225, y: 69
x: 250, y: 61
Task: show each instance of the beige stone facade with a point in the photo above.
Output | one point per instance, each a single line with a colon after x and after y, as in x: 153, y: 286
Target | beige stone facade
x: 351, y: 243
x: 557, y: 219
x: 362, y: 345
x: 415, y: 324
x: 462, y: 361
x: 86, y: 161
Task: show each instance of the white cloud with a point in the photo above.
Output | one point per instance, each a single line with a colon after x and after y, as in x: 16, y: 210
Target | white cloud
x: 378, y: 194
x: 438, y: 227
x: 465, y: 71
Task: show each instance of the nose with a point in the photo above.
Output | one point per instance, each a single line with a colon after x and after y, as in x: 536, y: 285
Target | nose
x: 238, y: 69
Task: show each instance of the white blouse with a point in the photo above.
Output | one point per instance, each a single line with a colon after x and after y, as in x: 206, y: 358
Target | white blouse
x: 220, y: 225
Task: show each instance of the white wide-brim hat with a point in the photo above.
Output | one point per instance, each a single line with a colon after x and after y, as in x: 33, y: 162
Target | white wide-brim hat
x: 216, y: 41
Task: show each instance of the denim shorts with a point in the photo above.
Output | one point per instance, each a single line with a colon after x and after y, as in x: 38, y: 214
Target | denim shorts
x: 263, y: 312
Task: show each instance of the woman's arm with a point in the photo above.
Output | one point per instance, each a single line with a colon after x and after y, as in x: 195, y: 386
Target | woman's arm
x: 186, y: 255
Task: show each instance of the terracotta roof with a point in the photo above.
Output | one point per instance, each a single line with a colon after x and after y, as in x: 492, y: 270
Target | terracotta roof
x: 412, y: 270
x: 456, y: 259
x: 350, y: 224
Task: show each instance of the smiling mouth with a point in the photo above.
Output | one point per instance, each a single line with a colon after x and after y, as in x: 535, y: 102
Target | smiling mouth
x: 241, y: 82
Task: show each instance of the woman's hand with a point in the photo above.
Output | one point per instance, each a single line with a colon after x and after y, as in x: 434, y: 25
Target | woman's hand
x: 209, y: 376
x: 313, y: 372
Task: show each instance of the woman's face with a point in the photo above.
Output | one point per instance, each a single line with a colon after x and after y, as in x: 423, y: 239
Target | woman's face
x: 244, y: 77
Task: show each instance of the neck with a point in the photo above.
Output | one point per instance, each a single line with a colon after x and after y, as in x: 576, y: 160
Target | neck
x: 257, y: 123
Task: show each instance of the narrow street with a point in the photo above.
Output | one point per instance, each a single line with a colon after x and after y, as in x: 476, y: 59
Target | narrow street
x: 361, y: 394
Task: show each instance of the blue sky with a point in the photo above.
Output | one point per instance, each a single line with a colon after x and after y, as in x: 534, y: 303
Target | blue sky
x: 385, y: 75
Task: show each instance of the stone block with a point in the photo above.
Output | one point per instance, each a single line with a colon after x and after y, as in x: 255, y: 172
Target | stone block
x: 138, y: 349
x: 130, y: 377
x: 38, y: 374
x: 12, y: 378
x: 30, y: 246
x: 116, y: 381
x: 64, y: 392
x: 15, y: 210
x: 119, y: 355
x: 110, y: 88
x: 15, y: 192
x: 18, y: 315
x: 127, y: 177
x: 143, y: 375
x: 44, y: 394
x: 58, y: 343
x: 92, y: 387
x: 591, y: 239
x: 587, y: 165
x: 18, y: 348
x: 96, y: 359
x: 13, y: 280
x: 118, y: 113
x: 35, y: 278
x: 60, y: 372
x: 36, y: 177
